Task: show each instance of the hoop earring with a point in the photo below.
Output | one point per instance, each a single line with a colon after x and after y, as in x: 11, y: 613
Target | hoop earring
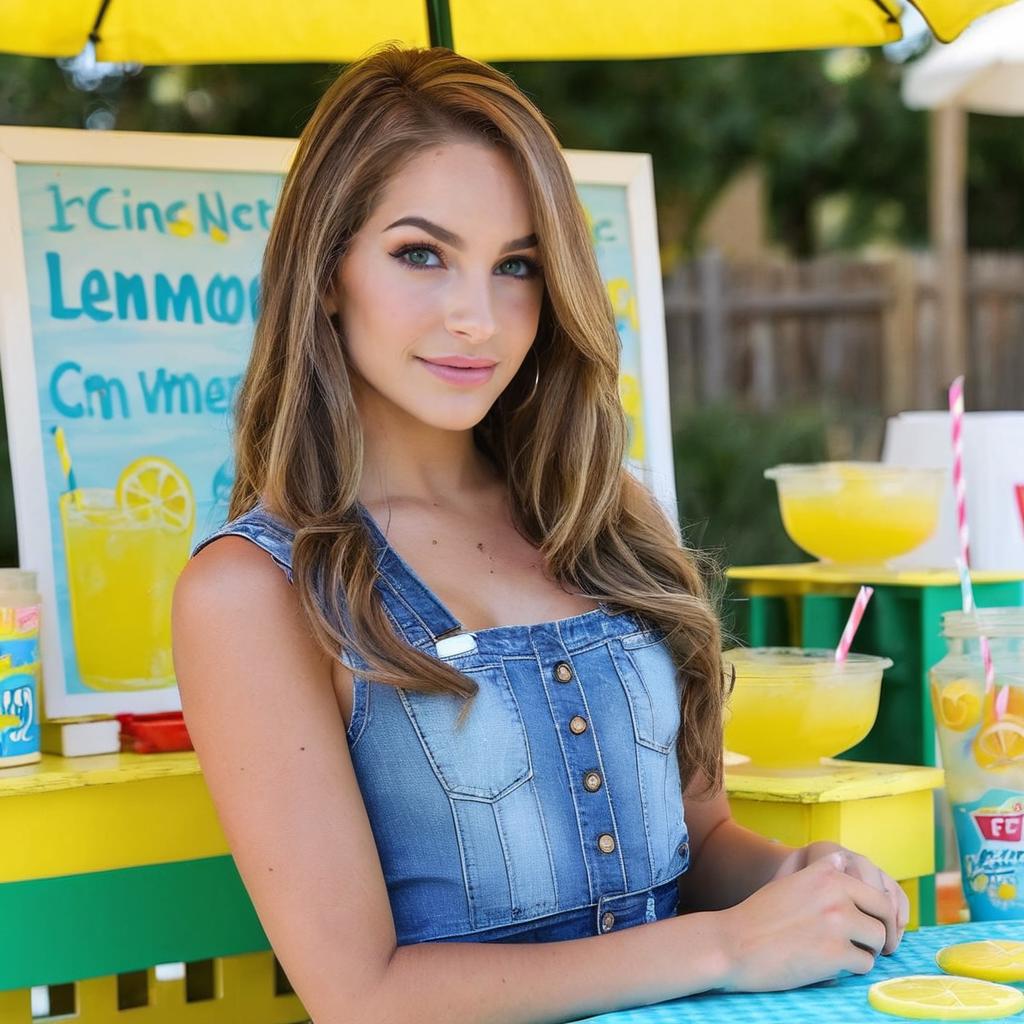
x: 533, y: 391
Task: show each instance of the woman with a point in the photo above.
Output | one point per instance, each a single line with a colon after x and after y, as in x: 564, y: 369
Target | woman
x: 430, y: 506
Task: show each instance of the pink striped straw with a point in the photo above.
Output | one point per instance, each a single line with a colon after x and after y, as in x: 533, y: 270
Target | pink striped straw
x: 856, y: 614
x: 967, y: 599
x: 956, y: 411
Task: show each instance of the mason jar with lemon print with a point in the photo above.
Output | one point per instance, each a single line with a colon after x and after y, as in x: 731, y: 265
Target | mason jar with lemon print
x: 124, y: 549
x: 981, y: 738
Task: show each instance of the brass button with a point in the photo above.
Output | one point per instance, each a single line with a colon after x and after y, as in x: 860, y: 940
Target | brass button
x: 607, y: 921
x: 684, y: 849
x: 605, y: 843
x: 578, y: 725
x: 592, y: 781
x: 563, y: 672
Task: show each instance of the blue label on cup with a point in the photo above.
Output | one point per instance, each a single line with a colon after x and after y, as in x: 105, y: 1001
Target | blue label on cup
x: 19, y: 683
x: 19, y: 719
x: 990, y: 834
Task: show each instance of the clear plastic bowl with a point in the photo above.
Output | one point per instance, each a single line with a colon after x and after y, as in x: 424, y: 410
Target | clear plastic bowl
x: 858, y: 513
x: 793, y: 706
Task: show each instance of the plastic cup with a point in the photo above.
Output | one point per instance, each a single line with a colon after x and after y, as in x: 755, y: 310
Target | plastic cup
x: 791, y: 707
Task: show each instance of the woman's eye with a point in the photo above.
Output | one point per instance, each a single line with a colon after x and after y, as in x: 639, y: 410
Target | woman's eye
x: 418, y: 256
x: 529, y: 268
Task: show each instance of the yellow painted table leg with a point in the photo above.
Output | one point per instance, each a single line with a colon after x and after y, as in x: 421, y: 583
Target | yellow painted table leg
x: 912, y: 887
x: 885, y: 812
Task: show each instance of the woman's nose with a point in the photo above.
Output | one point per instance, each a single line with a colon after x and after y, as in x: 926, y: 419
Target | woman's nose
x: 470, y: 311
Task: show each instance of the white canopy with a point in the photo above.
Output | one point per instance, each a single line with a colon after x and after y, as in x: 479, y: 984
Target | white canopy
x: 982, y: 71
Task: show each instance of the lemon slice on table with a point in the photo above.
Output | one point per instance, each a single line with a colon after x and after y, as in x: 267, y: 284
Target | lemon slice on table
x: 958, y: 705
x: 152, y: 486
x: 940, y: 997
x: 990, y: 959
x: 1000, y: 744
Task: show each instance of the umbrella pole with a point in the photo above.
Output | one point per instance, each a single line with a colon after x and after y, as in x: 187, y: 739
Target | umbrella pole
x: 949, y: 232
x: 439, y: 21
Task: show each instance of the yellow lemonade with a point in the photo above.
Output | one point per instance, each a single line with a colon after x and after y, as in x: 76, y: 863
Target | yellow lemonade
x: 857, y: 514
x: 844, y: 531
x: 123, y: 556
x: 793, y: 707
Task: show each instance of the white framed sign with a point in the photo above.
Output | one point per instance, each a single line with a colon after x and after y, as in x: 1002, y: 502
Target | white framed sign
x: 129, y: 269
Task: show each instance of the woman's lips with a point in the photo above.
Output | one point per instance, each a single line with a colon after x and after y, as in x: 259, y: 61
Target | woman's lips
x: 462, y: 377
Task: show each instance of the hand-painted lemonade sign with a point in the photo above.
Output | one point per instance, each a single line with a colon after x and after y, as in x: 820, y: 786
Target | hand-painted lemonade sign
x: 143, y: 292
x: 128, y: 296
x: 608, y: 219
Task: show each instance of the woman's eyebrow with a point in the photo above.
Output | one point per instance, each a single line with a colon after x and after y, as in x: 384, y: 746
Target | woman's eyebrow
x: 450, y: 238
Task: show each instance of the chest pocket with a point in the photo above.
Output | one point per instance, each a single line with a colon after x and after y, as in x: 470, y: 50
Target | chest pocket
x: 488, y: 755
x: 653, y: 688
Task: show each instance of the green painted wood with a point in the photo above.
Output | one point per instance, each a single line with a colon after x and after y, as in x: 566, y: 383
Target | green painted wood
x: 58, y: 930
x: 767, y: 622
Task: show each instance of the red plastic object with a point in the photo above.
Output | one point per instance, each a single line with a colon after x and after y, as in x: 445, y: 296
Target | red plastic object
x: 156, y: 733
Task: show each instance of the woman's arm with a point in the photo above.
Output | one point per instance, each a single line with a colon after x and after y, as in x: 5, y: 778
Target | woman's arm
x: 729, y: 863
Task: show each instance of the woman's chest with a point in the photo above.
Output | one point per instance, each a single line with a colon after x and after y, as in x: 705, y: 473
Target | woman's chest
x: 483, y: 572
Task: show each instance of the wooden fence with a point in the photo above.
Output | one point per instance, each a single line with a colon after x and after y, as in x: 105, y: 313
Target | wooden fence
x: 852, y: 333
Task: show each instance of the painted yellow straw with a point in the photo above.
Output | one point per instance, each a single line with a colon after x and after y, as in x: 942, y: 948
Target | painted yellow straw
x: 65, y: 464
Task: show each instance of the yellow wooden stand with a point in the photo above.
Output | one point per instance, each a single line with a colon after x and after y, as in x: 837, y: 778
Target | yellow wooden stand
x: 114, y: 864
x: 885, y: 812
x: 120, y: 865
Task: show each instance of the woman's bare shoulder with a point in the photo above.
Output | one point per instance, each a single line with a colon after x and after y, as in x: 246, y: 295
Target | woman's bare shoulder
x: 231, y: 592
x: 228, y: 561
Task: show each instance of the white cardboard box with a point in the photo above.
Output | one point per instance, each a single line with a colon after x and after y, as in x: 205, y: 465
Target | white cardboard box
x: 994, y: 468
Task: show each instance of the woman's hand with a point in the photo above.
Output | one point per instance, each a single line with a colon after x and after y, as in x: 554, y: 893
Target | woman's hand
x: 855, y: 865
x: 804, y: 927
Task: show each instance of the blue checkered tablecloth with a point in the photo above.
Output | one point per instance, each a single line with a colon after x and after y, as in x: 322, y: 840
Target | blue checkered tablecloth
x: 844, y: 1001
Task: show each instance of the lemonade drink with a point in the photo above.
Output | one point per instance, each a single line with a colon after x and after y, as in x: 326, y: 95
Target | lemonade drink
x: 858, y: 513
x: 124, y: 554
x: 792, y: 707
x: 845, y: 528
x: 983, y: 756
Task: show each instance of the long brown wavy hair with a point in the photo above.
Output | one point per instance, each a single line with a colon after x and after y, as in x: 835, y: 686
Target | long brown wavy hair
x: 299, y: 441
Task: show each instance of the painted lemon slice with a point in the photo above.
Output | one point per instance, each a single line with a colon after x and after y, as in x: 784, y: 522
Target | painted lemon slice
x: 940, y: 997
x: 1000, y: 744
x: 958, y: 705
x: 152, y: 486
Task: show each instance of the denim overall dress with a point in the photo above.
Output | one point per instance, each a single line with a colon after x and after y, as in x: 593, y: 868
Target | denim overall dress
x: 555, y: 811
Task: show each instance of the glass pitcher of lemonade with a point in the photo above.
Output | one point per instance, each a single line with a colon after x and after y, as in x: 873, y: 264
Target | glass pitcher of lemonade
x: 981, y: 738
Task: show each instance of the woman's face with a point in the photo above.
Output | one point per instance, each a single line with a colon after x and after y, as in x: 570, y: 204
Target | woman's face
x: 445, y: 269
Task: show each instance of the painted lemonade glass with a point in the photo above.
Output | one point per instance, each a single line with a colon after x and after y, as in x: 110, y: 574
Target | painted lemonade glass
x: 123, y: 558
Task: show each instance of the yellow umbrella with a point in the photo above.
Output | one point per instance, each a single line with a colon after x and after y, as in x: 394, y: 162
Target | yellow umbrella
x: 278, y: 31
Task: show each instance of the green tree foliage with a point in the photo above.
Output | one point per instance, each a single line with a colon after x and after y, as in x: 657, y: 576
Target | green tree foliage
x: 726, y: 506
